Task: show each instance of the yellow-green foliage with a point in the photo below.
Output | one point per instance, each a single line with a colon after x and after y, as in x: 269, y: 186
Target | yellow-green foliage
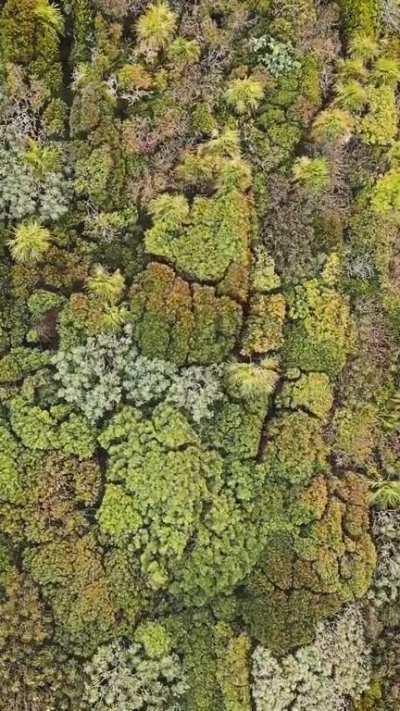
x: 203, y: 240
x: 332, y: 126
x: 312, y: 173
x: 196, y: 527
x: 356, y: 433
x: 295, y: 450
x: 264, y: 326
x: 379, y: 126
x: 244, y: 95
x: 29, y: 34
x: 311, y: 392
x: 385, y: 199
x: 233, y: 668
x: 321, y: 336
x: 155, y: 27
x: 359, y: 16
x: 30, y: 242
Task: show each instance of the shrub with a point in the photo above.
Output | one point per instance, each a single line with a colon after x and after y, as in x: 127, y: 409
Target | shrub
x: 311, y: 392
x: 106, y: 287
x: 379, y: 125
x: 264, y: 327
x: 180, y: 324
x: 156, y: 27
x: 30, y: 243
x: 278, y: 57
x: 96, y: 376
x: 295, y: 450
x: 321, y: 336
x: 332, y: 126
x: 323, y: 675
x: 312, y: 173
x: 385, y: 199
x: 22, y: 194
x: 122, y: 676
x: 244, y: 95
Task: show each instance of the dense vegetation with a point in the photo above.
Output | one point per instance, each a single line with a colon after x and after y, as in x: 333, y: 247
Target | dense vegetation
x: 199, y: 344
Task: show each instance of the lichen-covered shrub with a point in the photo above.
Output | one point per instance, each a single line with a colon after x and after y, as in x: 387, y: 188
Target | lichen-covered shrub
x: 323, y: 675
x: 124, y: 676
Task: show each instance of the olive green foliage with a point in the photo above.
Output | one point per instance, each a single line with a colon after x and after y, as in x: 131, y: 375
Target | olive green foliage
x: 173, y: 322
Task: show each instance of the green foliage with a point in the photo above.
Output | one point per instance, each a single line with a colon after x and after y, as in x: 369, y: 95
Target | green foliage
x: 156, y: 27
x: 171, y: 507
x: 295, y: 451
x: 198, y: 215
x: 386, y: 494
x: 278, y: 57
x: 312, y: 173
x: 311, y: 392
x: 332, y: 126
x: 21, y: 361
x: 38, y: 429
x: 30, y: 243
x: 244, y: 95
x: 321, y: 336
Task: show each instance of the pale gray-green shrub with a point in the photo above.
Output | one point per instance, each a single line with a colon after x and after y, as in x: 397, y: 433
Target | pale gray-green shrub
x: 96, y: 376
x: 125, y: 678
x: 319, y: 677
